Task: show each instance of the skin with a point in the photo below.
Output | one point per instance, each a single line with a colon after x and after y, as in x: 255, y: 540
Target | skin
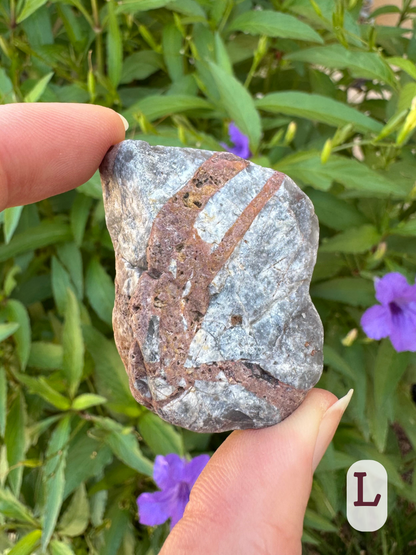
x: 251, y: 497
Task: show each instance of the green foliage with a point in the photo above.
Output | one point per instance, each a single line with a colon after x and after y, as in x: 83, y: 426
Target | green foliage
x: 325, y: 96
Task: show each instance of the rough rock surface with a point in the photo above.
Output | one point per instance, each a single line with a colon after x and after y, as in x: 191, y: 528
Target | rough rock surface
x: 214, y: 256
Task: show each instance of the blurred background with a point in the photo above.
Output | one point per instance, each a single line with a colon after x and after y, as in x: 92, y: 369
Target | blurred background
x: 325, y: 91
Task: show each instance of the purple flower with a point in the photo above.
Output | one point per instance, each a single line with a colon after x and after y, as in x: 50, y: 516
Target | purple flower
x: 240, y: 141
x: 175, y: 477
x: 395, y: 317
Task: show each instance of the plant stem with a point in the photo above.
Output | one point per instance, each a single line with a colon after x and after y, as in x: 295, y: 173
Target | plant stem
x: 98, y: 36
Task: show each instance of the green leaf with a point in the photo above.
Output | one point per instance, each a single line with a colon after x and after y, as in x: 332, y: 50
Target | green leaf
x: 98, y: 502
x: 114, y: 46
x: 385, y: 9
x: 72, y: 343
x: 335, y: 360
x: 43, y: 235
x: 133, y: 6
x: 15, y: 441
x: 142, y: 64
x: 46, y: 356
x: 335, y: 212
x: 34, y: 94
x: 37, y: 429
x: 70, y: 256
x: 318, y: 522
x: 27, y: 544
x: 6, y: 330
x: 110, y: 375
x: 6, y: 88
x: 406, y: 229
x: 10, y: 280
x: 29, y: 7
x: 76, y: 517
x: 11, y: 507
x: 327, y: 266
x: 308, y: 168
x: 406, y: 65
x: 11, y: 220
x: 16, y: 312
x: 352, y: 291
x: 86, y: 458
x: 118, y: 520
x: 124, y: 445
x: 160, y: 436
x: 60, y: 284
x: 41, y: 387
x: 221, y: 55
x: 54, y: 477
x: 369, y: 65
x: 356, y: 240
x: 87, y: 400
x: 407, y: 93
x: 100, y: 290
x: 274, y: 24
x: 191, y: 8
x: 238, y: 104
x: 154, y: 107
x: 388, y: 370
x: 92, y: 188
x: 317, y: 108
x: 80, y: 211
x: 334, y: 460
x: 3, y: 400
x: 60, y: 548
x: 172, y: 44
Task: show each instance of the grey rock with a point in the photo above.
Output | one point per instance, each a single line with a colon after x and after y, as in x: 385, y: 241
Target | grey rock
x: 256, y: 349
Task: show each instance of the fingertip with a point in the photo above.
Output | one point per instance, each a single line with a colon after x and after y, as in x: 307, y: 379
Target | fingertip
x: 49, y: 148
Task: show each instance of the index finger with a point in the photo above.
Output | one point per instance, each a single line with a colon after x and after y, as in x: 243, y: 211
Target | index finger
x: 48, y: 148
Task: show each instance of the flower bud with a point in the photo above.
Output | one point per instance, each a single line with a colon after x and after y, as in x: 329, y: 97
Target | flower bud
x: 380, y: 251
x: 350, y: 338
x: 408, y: 126
x: 290, y: 133
x: 326, y: 151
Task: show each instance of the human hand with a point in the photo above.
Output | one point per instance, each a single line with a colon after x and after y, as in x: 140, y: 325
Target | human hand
x: 251, y: 497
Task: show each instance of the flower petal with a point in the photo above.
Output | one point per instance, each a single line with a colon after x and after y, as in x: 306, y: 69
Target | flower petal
x: 167, y: 471
x: 403, y: 335
x: 393, y: 287
x: 236, y: 136
x: 194, y: 468
x: 154, y: 507
x: 178, y: 507
x: 241, y: 142
x: 376, y: 322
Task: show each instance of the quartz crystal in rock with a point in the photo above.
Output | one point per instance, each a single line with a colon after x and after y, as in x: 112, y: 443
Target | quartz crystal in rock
x: 214, y: 256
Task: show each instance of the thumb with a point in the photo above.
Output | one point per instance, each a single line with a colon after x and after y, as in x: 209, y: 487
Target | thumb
x: 251, y: 497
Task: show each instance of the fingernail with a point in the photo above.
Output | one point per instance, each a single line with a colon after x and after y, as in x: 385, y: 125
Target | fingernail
x: 125, y: 122
x: 328, y: 426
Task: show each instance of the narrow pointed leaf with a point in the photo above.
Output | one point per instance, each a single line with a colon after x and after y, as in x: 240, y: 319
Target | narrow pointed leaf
x: 317, y: 108
x: 11, y: 220
x: 274, y: 24
x: 72, y: 343
x: 15, y: 440
x: 238, y: 104
x: 16, y: 312
x: 27, y: 544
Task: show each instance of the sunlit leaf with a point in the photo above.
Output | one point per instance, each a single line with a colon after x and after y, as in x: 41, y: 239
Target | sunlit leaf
x: 273, y: 24
x: 317, y: 108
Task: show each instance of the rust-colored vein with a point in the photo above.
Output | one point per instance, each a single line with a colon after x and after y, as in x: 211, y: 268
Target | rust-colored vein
x: 172, y: 296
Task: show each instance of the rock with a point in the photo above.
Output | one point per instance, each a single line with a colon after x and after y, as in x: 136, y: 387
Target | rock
x: 214, y: 256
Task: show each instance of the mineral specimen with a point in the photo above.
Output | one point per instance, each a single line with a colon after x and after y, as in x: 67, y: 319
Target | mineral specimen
x: 214, y: 256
